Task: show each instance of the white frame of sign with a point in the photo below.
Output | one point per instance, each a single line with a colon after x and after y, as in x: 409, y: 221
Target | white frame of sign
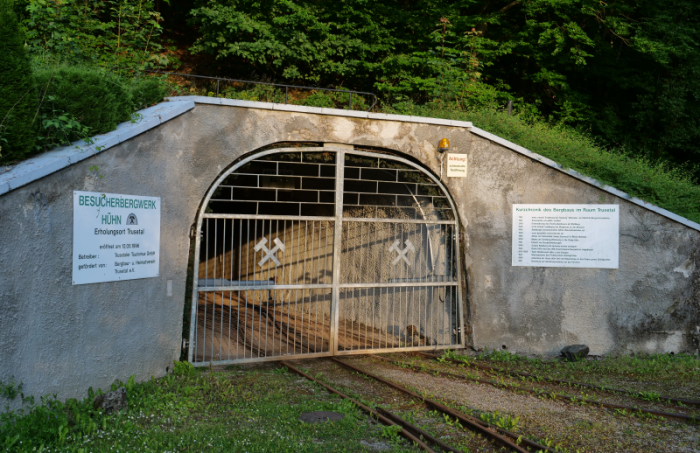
x: 115, y: 237
x: 566, y: 235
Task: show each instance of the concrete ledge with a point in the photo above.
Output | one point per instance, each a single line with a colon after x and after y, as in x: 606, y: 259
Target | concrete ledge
x: 586, y: 179
x: 44, y: 164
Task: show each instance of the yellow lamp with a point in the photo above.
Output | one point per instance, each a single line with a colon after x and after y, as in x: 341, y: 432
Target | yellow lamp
x: 444, y: 145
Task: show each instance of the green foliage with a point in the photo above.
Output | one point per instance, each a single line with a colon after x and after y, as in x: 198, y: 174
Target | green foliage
x: 626, y: 72
x: 58, y: 128
x: 146, y: 91
x: 505, y: 422
x: 10, y: 390
x: 391, y: 432
x: 18, y: 98
x: 110, y: 33
x: 652, y: 181
x: 184, y: 369
x: 95, y: 97
x: 497, y: 355
x: 649, y: 395
x: 251, y: 410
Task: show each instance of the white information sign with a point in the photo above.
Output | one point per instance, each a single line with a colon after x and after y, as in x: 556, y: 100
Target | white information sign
x: 115, y: 237
x: 456, y: 165
x: 566, y: 235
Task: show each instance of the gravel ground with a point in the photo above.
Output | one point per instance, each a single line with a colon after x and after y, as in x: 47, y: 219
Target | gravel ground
x: 590, y: 394
x: 572, y: 428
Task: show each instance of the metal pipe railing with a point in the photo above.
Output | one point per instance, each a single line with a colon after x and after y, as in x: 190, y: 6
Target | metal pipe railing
x: 281, y: 85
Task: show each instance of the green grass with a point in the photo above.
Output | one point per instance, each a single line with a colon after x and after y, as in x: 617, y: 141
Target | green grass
x: 661, y: 368
x: 670, y: 188
x: 252, y: 411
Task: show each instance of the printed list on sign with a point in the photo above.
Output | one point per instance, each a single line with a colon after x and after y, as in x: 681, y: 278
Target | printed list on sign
x: 556, y: 235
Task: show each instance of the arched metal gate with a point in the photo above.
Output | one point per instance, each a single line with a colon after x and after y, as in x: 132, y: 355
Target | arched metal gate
x: 322, y: 251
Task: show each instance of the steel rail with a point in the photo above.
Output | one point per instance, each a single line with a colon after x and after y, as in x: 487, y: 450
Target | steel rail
x: 283, y: 85
x: 417, y: 431
x: 471, y: 422
x: 559, y: 381
x: 553, y: 395
x: 405, y: 433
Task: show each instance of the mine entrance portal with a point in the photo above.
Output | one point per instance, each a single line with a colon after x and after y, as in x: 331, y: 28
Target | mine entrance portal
x: 318, y: 251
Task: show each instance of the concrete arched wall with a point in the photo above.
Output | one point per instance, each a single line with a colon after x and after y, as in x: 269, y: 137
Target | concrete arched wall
x: 60, y: 338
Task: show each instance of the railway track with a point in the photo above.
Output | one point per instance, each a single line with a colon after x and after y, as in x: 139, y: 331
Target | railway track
x: 502, y: 438
x: 489, y: 368
x: 540, y: 393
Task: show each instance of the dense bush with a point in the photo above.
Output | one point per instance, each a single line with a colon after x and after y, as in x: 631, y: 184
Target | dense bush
x: 79, y: 101
x: 96, y: 98
x: 17, y: 97
x: 146, y: 91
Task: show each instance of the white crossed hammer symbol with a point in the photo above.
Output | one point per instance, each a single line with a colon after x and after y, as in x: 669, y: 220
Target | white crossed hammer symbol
x: 402, y: 254
x: 269, y: 254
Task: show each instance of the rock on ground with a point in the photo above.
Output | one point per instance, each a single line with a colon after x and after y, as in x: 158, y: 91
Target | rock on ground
x: 111, y: 402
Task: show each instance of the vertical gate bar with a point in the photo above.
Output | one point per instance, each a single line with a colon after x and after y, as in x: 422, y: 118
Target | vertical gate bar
x: 296, y: 294
x: 461, y: 325
x: 292, y: 270
x: 262, y: 277
x: 382, y: 292
x: 247, y: 272
x: 303, y: 297
x: 277, y: 277
x: 284, y: 270
x: 350, y: 254
x: 402, y: 266
x: 230, y: 294
x: 424, y: 270
x: 295, y: 245
x: 378, y: 278
x: 313, y: 272
x: 238, y: 324
x: 289, y: 323
x: 267, y: 303
x: 416, y: 274
x: 230, y: 259
x: 213, y: 306
x: 223, y: 275
x: 392, y: 268
x: 313, y: 294
x: 391, y: 302
x: 359, y: 307
x: 446, y: 314
x: 206, y: 275
x: 325, y: 268
x: 337, y: 239
x: 273, y: 280
x: 255, y: 273
x: 430, y: 295
x: 240, y: 267
x: 404, y: 313
x: 267, y: 319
